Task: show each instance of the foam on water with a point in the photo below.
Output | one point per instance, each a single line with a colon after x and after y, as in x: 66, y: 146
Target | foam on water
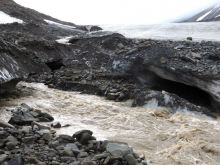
x: 165, y: 138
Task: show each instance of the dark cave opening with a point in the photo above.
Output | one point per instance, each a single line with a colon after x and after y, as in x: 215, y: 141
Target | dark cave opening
x: 190, y: 93
x: 55, y: 65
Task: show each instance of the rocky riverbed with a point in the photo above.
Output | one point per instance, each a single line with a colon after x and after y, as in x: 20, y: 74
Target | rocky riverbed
x: 25, y: 141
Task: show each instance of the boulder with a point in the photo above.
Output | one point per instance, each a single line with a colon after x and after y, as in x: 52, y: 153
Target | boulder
x: 117, y: 149
x: 5, y: 124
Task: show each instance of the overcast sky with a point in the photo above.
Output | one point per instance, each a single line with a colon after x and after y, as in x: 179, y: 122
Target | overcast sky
x: 98, y: 12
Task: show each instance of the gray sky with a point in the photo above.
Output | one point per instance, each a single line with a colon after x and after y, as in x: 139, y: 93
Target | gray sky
x: 100, y: 12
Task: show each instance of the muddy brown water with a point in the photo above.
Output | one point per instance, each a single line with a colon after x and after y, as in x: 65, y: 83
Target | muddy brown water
x: 180, y: 138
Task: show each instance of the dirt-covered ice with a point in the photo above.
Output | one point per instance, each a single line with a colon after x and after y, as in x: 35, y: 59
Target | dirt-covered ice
x: 173, y: 31
x: 165, y: 138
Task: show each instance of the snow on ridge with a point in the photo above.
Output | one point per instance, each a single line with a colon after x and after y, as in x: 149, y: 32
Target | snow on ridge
x: 5, y: 18
x: 58, y: 24
x: 202, y: 17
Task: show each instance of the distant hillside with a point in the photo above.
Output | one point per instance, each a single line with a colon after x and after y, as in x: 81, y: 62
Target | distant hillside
x: 208, y: 15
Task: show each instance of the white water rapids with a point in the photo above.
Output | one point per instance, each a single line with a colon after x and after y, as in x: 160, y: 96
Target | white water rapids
x: 163, y: 137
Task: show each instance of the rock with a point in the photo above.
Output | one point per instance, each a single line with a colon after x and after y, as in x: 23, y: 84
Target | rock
x: 34, y: 114
x: 120, y: 46
x: 66, y: 138
x: 32, y: 160
x: 117, y: 149
x: 72, y: 146
x: 28, y: 140
x: 106, y: 160
x: 12, y: 139
x: 66, y: 152
x: 189, y: 38
x: 179, y: 47
x: 78, y: 134
x: 130, y: 159
x: 85, y: 137
x: 89, y: 163
x: 3, y: 157
x: 47, y: 136
x: 54, y: 144
x: 76, y: 163
x: 82, y: 155
x: 101, y: 156
x: 40, y: 126
x: 25, y: 106
x: 10, y: 145
x: 5, y: 124
x: 112, y: 96
x: 22, y: 118
x: 48, y: 116
x: 56, y: 125
x: 43, y: 119
x: 196, y: 55
x: 66, y: 159
x: 163, y: 60
x: 26, y: 129
x: 16, y: 160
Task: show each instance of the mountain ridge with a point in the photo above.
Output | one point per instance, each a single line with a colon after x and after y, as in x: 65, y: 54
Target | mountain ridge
x: 208, y: 15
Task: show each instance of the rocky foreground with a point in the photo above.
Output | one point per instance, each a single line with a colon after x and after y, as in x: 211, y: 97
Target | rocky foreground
x: 23, y: 140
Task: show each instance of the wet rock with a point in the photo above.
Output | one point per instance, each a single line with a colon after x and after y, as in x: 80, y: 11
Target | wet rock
x: 112, y: 96
x: 56, y: 125
x: 43, y: 119
x: 117, y: 149
x: 26, y: 106
x: 40, y: 126
x: 48, y: 116
x: 189, y: 38
x: 66, y: 138
x: 22, y: 118
x: 85, y: 137
x: 130, y: 159
x: 78, y: 134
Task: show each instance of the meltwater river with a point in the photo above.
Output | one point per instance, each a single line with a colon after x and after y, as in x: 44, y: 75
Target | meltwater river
x: 180, y: 138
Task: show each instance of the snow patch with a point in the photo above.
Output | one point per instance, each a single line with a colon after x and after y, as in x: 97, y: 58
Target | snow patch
x: 202, y: 17
x: 217, y: 16
x: 64, y: 40
x: 58, y: 24
x: 5, y: 18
